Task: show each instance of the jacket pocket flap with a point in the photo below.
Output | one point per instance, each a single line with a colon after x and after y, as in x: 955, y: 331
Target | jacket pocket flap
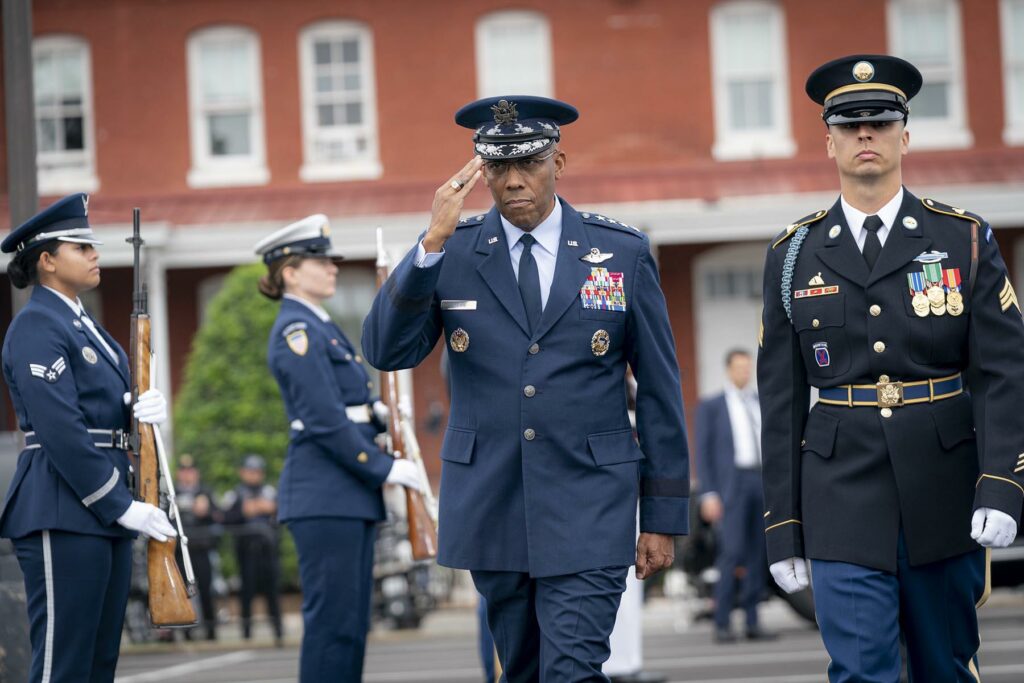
x: 458, y: 445
x: 820, y: 434
x: 614, y: 447
x: 819, y: 312
x: 954, y: 422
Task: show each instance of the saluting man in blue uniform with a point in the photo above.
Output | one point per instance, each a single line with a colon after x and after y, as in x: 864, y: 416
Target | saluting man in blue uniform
x: 69, y: 510
x: 901, y: 312
x: 330, y: 490
x: 542, y: 308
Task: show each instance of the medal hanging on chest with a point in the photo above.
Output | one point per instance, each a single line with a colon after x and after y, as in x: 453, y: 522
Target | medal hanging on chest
x: 918, y: 298
x: 954, y: 299
x: 936, y: 293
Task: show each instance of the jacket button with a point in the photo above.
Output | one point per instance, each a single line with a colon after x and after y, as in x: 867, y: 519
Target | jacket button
x: 359, y: 359
x: 348, y: 356
x: 886, y: 412
x: 875, y: 310
x: 529, y: 390
x: 815, y: 323
x: 362, y: 457
x: 534, y: 349
x: 803, y: 442
x: 529, y: 434
x: 879, y: 346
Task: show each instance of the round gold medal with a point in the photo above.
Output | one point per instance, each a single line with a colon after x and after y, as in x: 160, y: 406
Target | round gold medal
x: 920, y: 304
x: 955, y: 303
x: 936, y: 296
x: 459, y: 340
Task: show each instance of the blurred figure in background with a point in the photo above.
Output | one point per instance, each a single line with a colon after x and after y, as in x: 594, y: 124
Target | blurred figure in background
x: 251, y: 508
x: 201, y: 519
x: 729, y: 472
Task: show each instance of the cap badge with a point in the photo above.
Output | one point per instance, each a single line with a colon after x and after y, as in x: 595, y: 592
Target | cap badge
x: 863, y: 71
x: 505, y: 112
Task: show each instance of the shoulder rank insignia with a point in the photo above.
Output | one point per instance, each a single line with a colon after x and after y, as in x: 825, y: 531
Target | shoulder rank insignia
x: 793, y: 227
x: 604, y: 221
x: 1007, y: 297
x: 50, y: 374
x: 470, y: 221
x: 946, y: 209
x: 596, y: 256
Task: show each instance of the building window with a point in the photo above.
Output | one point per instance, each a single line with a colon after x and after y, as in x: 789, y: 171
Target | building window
x: 226, y: 108
x: 339, y: 109
x: 927, y: 34
x: 748, y: 61
x: 1012, y: 21
x: 65, y: 147
x: 513, y: 54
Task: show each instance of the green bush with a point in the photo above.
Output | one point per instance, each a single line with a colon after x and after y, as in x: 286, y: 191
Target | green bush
x: 229, y: 404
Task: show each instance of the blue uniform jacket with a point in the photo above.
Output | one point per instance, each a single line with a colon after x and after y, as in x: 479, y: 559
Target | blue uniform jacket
x: 62, y: 384
x: 541, y: 471
x: 333, y: 468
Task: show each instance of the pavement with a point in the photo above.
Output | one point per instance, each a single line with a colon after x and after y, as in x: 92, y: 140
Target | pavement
x: 444, y: 650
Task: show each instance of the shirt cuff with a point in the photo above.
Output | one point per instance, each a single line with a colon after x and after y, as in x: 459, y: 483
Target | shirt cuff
x: 425, y: 260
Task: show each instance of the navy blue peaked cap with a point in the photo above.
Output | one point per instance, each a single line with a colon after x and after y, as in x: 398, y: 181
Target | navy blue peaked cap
x: 864, y: 88
x: 515, y: 126
x: 66, y: 220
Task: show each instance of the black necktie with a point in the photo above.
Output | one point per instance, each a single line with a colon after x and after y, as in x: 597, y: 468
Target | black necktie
x: 529, y: 282
x: 872, y: 245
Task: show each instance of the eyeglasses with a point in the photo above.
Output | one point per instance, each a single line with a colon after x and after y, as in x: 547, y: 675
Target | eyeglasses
x: 526, y: 165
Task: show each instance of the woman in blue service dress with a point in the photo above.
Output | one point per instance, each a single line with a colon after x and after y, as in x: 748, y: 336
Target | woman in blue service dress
x: 330, y: 489
x: 69, y: 509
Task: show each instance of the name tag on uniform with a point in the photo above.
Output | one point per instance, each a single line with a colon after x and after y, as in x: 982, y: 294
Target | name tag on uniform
x: 458, y: 305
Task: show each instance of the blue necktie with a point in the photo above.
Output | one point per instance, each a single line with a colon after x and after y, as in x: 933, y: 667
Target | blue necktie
x: 529, y: 282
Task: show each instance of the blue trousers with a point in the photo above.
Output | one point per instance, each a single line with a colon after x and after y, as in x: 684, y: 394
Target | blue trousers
x: 552, y: 629
x: 484, y: 641
x: 76, y: 587
x: 336, y: 570
x: 864, y: 613
x: 741, y: 544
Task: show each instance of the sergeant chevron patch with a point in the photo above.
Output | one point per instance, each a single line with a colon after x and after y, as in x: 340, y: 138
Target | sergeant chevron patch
x: 1007, y: 297
x: 50, y: 374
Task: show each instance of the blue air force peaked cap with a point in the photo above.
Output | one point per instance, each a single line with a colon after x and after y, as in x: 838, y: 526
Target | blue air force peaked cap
x: 515, y: 126
x: 254, y: 462
x: 310, y: 238
x: 66, y: 220
x: 864, y: 88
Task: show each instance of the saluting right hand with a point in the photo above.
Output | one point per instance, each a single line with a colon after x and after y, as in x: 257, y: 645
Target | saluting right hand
x: 147, y: 519
x: 448, y: 200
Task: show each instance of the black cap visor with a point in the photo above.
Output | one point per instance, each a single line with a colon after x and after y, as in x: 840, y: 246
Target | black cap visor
x: 872, y: 105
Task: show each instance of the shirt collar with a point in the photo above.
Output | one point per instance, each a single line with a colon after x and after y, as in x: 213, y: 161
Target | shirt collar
x: 317, y: 310
x: 855, y: 217
x: 547, y: 234
x: 75, y: 305
x: 745, y: 393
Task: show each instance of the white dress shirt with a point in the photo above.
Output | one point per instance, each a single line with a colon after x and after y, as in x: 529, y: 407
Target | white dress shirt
x: 79, y: 310
x: 855, y: 219
x: 318, y: 310
x: 545, y: 251
x: 745, y: 418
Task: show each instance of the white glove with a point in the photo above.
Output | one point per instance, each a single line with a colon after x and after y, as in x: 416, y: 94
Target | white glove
x: 147, y: 519
x: 381, y: 412
x: 151, y: 407
x: 791, y: 574
x: 405, y: 473
x: 993, y: 528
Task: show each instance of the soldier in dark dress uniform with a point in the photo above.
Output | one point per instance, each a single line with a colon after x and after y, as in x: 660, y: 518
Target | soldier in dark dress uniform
x: 900, y: 312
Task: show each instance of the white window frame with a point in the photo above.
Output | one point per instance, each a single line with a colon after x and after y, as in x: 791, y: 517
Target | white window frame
x: 951, y: 132
x: 368, y: 167
x: 209, y: 170
x: 485, y: 81
x: 83, y: 178
x: 1013, y: 130
x: 733, y: 144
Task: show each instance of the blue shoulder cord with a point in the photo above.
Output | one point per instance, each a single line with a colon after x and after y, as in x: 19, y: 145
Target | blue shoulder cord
x: 788, y: 266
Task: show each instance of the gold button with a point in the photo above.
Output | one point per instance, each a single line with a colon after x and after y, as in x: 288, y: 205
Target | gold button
x: 534, y: 349
x: 879, y: 346
x: 369, y: 385
x: 362, y: 457
x: 359, y: 359
x: 883, y: 379
x: 886, y: 412
x: 529, y: 435
x: 529, y: 390
x: 815, y: 323
x: 875, y: 310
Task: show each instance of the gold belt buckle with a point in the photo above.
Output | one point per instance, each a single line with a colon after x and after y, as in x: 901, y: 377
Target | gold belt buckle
x: 890, y: 394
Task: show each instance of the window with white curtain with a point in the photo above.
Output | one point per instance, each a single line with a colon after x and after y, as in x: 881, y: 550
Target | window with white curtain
x: 513, y: 54
x: 339, y: 109
x: 749, y: 76
x: 1012, y: 21
x: 65, y: 148
x: 927, y: 34
x: 226, y: 108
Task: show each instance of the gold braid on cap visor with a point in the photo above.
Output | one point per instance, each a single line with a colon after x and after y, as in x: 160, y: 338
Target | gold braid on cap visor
x: 855, y: 87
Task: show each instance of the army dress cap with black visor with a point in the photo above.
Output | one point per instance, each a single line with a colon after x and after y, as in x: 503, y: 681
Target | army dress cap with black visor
x: 66, y: 220
x: 860, y: 88
x: 309, y: 238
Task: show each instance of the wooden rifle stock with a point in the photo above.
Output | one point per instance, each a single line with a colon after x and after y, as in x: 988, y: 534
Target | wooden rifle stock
x: 169, y: 603
x: 422, y: 527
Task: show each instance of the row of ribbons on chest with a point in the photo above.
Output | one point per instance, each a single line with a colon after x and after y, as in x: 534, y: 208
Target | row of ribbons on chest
x: 936, y: 291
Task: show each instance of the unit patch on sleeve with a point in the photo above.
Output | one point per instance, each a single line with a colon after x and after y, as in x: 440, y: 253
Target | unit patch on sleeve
x: 295, y: 335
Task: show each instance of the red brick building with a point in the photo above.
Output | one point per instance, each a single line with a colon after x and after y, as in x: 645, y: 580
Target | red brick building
x: 225, y: 119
